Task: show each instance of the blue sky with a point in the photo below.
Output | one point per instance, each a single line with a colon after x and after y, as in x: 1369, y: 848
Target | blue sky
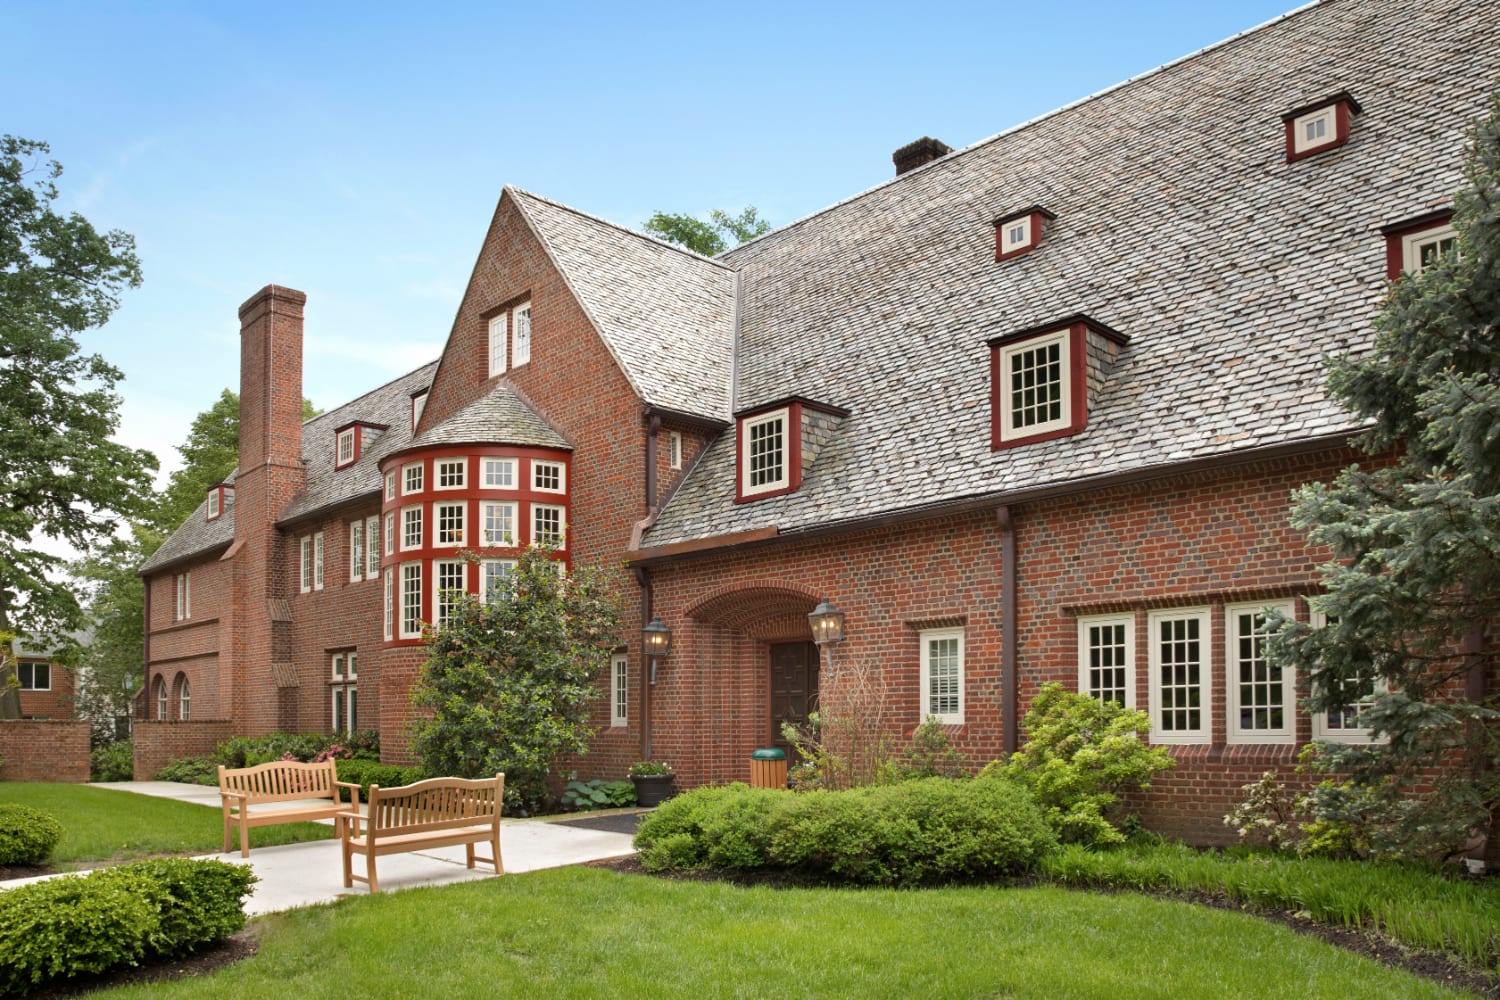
x: 356, y: 151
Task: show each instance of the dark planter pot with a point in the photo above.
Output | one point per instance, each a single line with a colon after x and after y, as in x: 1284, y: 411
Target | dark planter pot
x: 653, y: 789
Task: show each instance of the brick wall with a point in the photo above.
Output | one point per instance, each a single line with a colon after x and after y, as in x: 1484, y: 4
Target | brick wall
x: 156, y: 743
x: 44, y: 750
x: 54, y: 703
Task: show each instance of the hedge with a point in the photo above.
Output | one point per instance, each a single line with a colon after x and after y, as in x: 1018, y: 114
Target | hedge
x: 27, y: 835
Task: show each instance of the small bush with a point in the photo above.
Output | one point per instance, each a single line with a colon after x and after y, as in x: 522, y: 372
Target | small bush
x: 27, y: 835
x: 586, y: 796
x: 247, y: 751
x: 193, y: 770
x: 371, y: 772
x: 112, y: 762
x: 928, y: 830
x: 80, y: 925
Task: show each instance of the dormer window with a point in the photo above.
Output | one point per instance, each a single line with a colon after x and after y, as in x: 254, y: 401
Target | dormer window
x: 1417, y: 244
x: 345, y: 448
x: 418, y: 404
x: 521, y: 349
x: 499, y: 334
x: 765, y: 459
x: 219, y: 496
x: 1319, y: 126
x: 1019, y: 232
x: 1039, y: 379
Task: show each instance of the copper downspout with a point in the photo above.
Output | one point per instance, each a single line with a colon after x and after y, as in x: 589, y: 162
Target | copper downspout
x: 1008, y: 695
x: 643, y: 578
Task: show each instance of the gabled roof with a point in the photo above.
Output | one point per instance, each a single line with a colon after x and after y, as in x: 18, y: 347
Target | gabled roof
x: 666, y: 314
x: 1178, y: 223
x: 326, y: 487
x: 499, y: 417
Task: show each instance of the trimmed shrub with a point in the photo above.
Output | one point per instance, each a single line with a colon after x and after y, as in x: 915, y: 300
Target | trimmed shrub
x: 930, y: 830
x: 371, y: 772
x: 27, y: 835
x: 193, y: 770
x: 81, y: 925
x: 247, y: 751
x: 112, y: 762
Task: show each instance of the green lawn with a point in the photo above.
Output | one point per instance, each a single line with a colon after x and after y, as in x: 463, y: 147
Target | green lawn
x: 103, y: 825
x: 583, y: 932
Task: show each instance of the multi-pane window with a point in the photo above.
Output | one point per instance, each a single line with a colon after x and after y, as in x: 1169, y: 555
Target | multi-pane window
x: 389, y: 605
x: 1261, y: 694
x: 546, y: 524
x: 306, y: 564
x: 450, y: 523
x: 498, y: 333
x: 214, y: 499
x: 1034, y: 386
x: 34, y: 675
x: 411, y: 528
x: 493, y: 577
x: 345, y: 447
x: 764, y: 461
x: 390, y: 533
x: 619, y: 689
x: 356, y: 550
x: 1427, y: 248
x: 499, y: 523
x: 318, y: 561
x: 942, y: 674
x: 1105, y: 658
x: 418, y: 404
x: 411, y: 479
x: 184, y: 596
x: 448, y: 581
x: 1350, y: 724
x: 345, y: 692
x: 521, y: 354
x: 548, y: 477
x: 184, y: 699
x: 1315, y: 129
x: 674, y: 450
x: 499, y: 473
x: 450, y: 473
x: 411, y: 600
x: 372, y: 548
x: 390, y: 485
x: 161, y: 699
x: 1180, y: 664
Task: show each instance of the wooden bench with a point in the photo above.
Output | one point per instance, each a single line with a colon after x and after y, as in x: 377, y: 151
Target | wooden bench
x: 281, y: 781
x: 438, y: 812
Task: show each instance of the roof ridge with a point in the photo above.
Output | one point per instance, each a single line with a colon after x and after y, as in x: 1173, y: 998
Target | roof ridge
x: 1028, y: 123
x: 382, y: 386
x: 615, y: 225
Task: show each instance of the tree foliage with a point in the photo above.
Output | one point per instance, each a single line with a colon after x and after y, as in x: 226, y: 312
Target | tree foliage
x: 718, y: 234
x: 1416, y: 538
x: 61, y: 474
x: 510, y: 681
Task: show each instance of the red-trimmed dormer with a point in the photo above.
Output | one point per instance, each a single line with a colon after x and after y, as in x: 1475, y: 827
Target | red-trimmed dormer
x: 1319, y: 126
x: 1020, y: 232
x: 220, y: 495
x: 349, y: 441
x: 1416, y: 244
x: 1041, y: 378
x: 776, y: 442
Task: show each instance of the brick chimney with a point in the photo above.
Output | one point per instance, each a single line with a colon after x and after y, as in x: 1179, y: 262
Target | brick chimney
x: 271, y: 474
x: 916, y: 154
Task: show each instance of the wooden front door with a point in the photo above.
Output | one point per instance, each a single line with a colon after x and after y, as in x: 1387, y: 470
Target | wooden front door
x: 794, y: 686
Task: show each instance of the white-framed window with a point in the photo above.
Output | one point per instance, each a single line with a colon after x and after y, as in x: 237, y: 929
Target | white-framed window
x: 521, y: 352
x: 418, y: 404
x: 411, y: 528
x: 498, y: 333
x: 942, y: 674
x: 389, y: 605
x: 411, y: 600
x: 356, y: 550
x: 764, y: 452
x: 1036, y: 395
x: 184, y: 596
x: 449, y: 580
x: 499, y: 473
x: 345, y: 708
x: 1349, y: 724
x: 1424, y: 249
x: 450, y: 523
x: 306, y: 564
x: 184, y: 699
x: 390, y: 485
x: 498, y: 522
x: 372, y: 548
x: 1262, y: 695
x: 1315, y: 129
x: 619, y: 690
x: 161, y: 699
x: 411, y: 479
x: 1181, y: 657
x: 451, y: 473
x: 34, y: 675
x: 493, y: 574
x: 1106, y: 658
x: 548, y: 477
x: 390, y: 533
x: 345, y: 447
x: 318, y: 561
x: 1015, y: 234
x: 674, y: 450
x: 214, y: 500
x: 547, y: 524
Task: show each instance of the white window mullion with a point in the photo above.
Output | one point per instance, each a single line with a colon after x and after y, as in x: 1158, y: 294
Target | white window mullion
x: 1181, y: 663
x: 1262, y: 696
x: 942, y: 674
x: 1106, y: 658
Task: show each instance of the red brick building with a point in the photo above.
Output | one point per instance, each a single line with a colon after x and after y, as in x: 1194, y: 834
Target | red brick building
x: 1029, y: 411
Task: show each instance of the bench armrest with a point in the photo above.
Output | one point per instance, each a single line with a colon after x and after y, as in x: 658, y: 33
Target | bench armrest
x: 234, y: 795
x: 351, y: 821
x: 353, y: 790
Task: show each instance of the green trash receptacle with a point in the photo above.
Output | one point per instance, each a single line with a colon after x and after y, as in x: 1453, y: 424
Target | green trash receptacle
x: 768, y: 769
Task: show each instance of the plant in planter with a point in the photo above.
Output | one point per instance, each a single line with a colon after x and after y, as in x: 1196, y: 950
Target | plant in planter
x: 653, y: 781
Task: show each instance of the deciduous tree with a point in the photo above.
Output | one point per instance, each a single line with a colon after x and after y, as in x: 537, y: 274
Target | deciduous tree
x: 721, y: 232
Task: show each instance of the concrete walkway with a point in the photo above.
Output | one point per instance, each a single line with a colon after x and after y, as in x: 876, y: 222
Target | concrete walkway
x: 303, y: 874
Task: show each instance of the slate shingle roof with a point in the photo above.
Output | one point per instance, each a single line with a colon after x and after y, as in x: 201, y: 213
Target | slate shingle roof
x: 667, y: 315
x: 1178, y: 223
x: 501, y: 417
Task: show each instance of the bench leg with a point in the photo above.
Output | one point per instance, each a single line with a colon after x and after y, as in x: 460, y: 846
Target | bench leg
x: 469, y: 849
x: 499, y: 865
x: 228, y: 832
x: 373, y: 882
x: 244, y: 837
x: 348, y: 863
